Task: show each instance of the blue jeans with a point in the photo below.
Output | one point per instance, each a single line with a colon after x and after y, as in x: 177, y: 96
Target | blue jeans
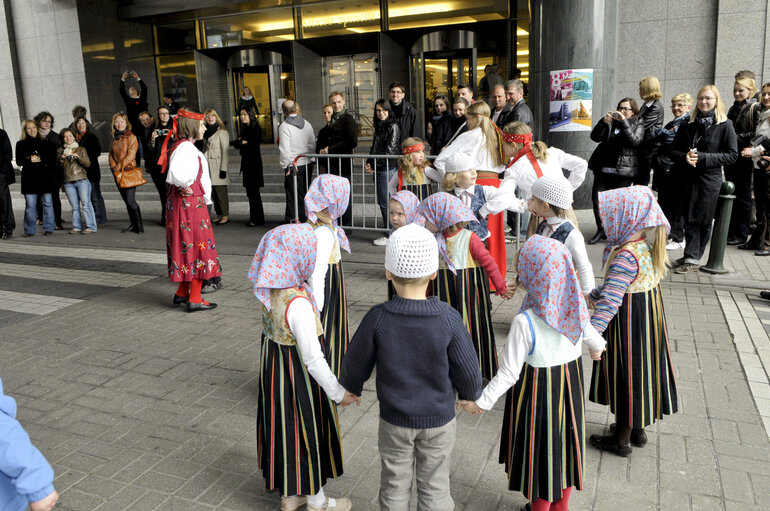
x: 79, y: 193
x: 97, y: 201
x: 383, y: 177
x: 30, y: 213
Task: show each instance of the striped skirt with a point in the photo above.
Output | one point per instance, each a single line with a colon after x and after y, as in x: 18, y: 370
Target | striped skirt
x: 543, y: 437
x: 468, y: 293
x: 421, y: 191
x: 635, y: 375
x: 298, y: 434
x: 334, y: 318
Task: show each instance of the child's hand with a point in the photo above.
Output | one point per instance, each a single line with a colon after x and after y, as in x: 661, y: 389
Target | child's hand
x: 508, y: 293
x: 349, y: 399
x: 45, y: 504
x: 597, y: 355
x: 590, y: 302
x: 470, y: 407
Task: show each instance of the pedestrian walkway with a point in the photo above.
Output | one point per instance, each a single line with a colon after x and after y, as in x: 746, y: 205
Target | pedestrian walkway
x: 140, y: 405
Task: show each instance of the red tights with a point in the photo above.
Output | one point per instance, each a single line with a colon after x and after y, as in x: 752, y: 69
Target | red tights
x: 560, y: 505
x: 191, y: 289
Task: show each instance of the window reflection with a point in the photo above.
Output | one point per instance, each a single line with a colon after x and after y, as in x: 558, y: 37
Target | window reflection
x: 340, y: 17
x: 425, y: 13
x: 255, y: 27
x: 177, y: 75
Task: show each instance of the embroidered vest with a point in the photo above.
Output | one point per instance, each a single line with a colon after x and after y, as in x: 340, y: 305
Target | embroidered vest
x: 479, y: 199
x: 560, y: 234
x: 274, y: 325
x: 459, y: 249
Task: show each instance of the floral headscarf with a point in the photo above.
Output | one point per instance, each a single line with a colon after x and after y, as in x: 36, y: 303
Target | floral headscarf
x: 626, y: 210
x: 553, y: 290
x: 445, y: 210
x: 410, y: 203
x: 332, y: 192
x: 285, y: 258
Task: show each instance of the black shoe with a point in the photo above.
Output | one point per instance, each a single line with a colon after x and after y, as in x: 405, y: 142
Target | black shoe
x: 210, y: 288
x: 130, y: 228
x: 746, y: 246
x: 763, y: 252
x: 762, y: 294
x: 638, y: 436
x: 609, y: 443
x: 6, y: 235
x: 599, y: 236
x: 161, y: 223
x: 47, y: 233
x: 736, y: 241
x: 203, y: 306
x: 26, y: 235
x: 179, y: 299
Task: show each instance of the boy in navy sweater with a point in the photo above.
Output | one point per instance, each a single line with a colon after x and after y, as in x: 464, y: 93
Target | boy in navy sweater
x: 423, y: 352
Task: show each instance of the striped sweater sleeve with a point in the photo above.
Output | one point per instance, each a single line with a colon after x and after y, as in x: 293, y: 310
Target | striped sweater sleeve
x: 621, y: 272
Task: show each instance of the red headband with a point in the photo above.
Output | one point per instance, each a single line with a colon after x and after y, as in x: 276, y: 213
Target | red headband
x: 510, y: 138
x: 413, y: 148
x: 163, y: 160
x: 190, y: 115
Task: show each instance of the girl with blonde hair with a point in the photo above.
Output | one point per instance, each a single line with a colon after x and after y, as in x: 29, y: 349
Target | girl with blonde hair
x: 411, y: 170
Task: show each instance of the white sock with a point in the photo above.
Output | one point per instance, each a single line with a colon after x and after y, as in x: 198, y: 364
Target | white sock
x: 319, y: 498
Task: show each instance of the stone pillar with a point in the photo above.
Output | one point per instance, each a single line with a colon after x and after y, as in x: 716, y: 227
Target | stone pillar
x: 578, y: 34
x: 11, y: 101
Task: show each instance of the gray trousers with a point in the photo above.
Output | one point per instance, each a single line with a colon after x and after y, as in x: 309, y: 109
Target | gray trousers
x: 426, y: 453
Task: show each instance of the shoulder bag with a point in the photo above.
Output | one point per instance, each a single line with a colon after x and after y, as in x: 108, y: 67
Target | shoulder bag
x: 129, y: 177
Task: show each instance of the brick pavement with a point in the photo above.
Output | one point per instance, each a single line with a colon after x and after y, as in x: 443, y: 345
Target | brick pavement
x: 133, y: 415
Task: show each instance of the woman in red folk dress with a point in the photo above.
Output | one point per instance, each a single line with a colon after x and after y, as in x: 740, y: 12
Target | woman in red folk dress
x: 190, y: 245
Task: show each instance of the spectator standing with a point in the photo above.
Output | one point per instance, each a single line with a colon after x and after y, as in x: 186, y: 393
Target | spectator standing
x: 37, y: 158
x: 136, y: 98
x: 323, y: 138
x: 615, y: 161
x: 123, y: 156
x: 163, y: 126
x: 703, y: 146
x: 295, y: 138
x: 143, y: 133
x: 170, y: 104
x: 457, y: 124
x: 499, y: 105
x: 79, y: 111
x: 45, y: 123
x: 465, y: 91
x: 514, y: 95
x: 484, y: 88
x: 494, y: 77
x: 439, y: 128
x: 744, y: 114
x: 343, y: 138
x: 386, y: 140
x: 90, y: 142
x: 216, y: 146
x: 403, y: 111
x: 7, y: 178
x: 248, y: 102
x: 247, y: 144
x: 74, y: 161
x: 759, y: 150
x: 651, y: 115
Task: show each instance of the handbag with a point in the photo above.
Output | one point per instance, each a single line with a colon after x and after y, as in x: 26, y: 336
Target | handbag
x: 129, y: 177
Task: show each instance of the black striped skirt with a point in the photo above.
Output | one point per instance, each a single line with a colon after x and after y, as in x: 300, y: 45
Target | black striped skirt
x: 543, y: 437
x: 421, y: 191
x: 334, y: 318
x: 635, y: 375
x: 468, y: 293
x: 298, y: 434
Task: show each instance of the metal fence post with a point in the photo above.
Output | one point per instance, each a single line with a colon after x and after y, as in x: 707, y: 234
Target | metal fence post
x: 719, y: 233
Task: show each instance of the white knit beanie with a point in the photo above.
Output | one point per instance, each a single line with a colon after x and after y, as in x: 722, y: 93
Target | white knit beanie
x: 412, y: 252
x: 556, y: 191
x: 460, y: 162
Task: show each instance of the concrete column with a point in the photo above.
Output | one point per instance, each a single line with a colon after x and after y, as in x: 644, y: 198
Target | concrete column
x: 10, y: 94
x: 573, y: 34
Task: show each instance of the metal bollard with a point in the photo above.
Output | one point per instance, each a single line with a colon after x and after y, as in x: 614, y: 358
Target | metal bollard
x: 719, y: 233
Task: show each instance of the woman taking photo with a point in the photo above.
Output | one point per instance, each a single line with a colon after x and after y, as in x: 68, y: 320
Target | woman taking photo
x: 386, y: 140
x: 217, y: 144
x: 37, y: 158
x: 440, y: 127
x: 760, y: 238
x: 74, y: 162
x: 163, y: 125
x: 251, y: 164
x: 90, y: 142
x: 615, y: 161
x: 123, y: 156
x: 701, y: 148
x: 744, y: 114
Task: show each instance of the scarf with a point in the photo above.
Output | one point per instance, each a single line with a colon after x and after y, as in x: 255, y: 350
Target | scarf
x: 410, y: 203
x: 284, y: 258
x: 336, y: 116
x: 332, y: 193
x: 445, y: 210
x: 553, y: 290
x: 210, y: 130
x: 526, y: 150
x: 69, y: 148
x: 119, y: 134
x: 43, y: 133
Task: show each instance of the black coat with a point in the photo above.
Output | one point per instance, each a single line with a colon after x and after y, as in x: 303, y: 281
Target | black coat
x: 343, y: 135
x: 717, y: 148
x: 505, y: 114
x: 134, y: 107
x: 740, y: 114
x: 251, y: 156
x: 442, y: 132
x: 36, y: 178
x: 652, y: 118
x: 518, y: 112
x: 151, y: 162
x: 90, y: 142
x: 386, y: 140
x: 619, y: 150
x: 6, y: 156
x: 407, y: 119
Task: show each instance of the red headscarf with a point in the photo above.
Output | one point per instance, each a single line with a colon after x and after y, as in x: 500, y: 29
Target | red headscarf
x: 163, y: 160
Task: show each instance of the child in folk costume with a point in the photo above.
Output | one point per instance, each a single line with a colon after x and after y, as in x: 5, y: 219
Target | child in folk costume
x: 465, y: 268
x: 543, y: 439
x: 403, y: 211
x: 326, y: 200
x: 635, y: 377
x: 551, y: 199
x: 411, y: 170
x: 298, y: 434
x: 190, y: 245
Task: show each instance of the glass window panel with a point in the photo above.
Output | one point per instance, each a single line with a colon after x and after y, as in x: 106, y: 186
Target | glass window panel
x: 174, y: 37
x: 255, y: 27
x: 177, y: 76
x: 340, y: 17
x: 522, y: 49
x: 428, y: 13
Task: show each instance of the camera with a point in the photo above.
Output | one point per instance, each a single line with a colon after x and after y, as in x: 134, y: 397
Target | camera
x: 616, y: 116
x: 162, y: 132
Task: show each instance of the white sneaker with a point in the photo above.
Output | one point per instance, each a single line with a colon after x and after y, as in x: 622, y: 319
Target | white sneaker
x: 675, y: 245
x: 381, y: 242
x: 332, y: 505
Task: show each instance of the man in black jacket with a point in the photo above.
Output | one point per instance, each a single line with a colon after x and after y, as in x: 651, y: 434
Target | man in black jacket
x: 7, y: 178
x: 135, y: 101
x: 514, y: 95
x: 343, y: 138
x: 403, y: 111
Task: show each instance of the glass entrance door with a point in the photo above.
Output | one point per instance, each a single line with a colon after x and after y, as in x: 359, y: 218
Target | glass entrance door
x: 357, y: 78
x: 259, y: 86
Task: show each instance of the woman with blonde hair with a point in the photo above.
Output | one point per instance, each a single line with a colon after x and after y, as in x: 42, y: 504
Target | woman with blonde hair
x: 484, y: 144
x: 701, y: 148
x: 216, y: 145
x: 123, y: 156
x: 651, y: 115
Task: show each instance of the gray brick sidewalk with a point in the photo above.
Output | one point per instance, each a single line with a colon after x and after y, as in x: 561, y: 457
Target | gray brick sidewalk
x: 133, y: 415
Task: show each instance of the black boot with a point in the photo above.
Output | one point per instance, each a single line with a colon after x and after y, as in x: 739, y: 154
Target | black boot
x: 599, y: 236
x: 132, y: 219
x: 138, y: 227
